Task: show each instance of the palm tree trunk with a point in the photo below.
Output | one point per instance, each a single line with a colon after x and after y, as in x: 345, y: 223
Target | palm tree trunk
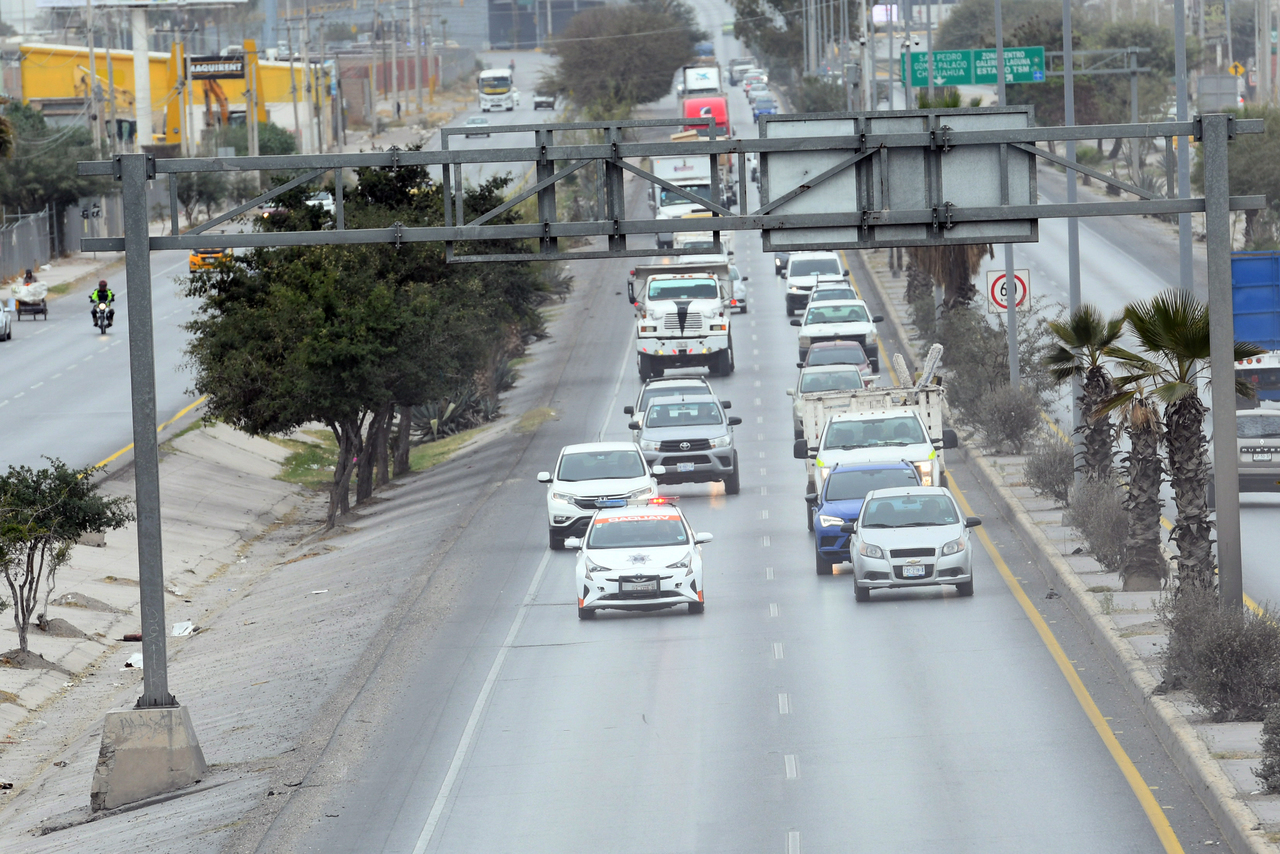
x: 1188, y: 475
x: 1144, y: 565
x: 1097, y: 431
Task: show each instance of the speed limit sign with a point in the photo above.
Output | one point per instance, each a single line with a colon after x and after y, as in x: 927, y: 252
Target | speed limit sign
x: 998, y: 291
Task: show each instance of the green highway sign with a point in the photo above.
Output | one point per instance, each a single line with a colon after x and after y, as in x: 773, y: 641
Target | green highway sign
x: 970, y: 67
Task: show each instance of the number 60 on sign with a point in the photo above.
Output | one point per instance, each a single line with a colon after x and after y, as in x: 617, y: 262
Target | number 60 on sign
x: 998, y: 291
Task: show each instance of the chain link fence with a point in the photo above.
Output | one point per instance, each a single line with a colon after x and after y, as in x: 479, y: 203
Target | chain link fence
x: 24, y: 243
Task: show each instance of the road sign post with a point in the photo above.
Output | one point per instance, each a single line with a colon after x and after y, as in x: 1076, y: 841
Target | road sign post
x: 998, y: 291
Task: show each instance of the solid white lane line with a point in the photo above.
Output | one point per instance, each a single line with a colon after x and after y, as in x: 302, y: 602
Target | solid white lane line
x: 773, y: 609
x: 793, y: 842
x: 468, y: 732
x: 792, y: 765
x: 768, y: 572
x: 617, y: 386
x: 784, y: 704
x: 777, y: 651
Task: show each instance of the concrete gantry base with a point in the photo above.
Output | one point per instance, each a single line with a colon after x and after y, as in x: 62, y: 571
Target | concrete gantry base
x: 144, y: 753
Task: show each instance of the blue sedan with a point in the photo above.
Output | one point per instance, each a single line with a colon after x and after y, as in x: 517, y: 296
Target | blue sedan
x: 763, y: 107
x: 840, y: 501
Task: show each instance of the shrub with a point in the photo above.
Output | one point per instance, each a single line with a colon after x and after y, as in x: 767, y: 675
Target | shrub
x: 1096, y: 510
x: 1229, y: 661
x: 1268, y: 773
x: 1050, y: 469
x: 1008, y: 416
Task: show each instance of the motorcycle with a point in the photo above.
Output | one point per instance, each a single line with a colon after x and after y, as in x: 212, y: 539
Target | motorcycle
x: 100, y: 317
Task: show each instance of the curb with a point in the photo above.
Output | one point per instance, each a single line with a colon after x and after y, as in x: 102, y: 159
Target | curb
x: 1188, y: 751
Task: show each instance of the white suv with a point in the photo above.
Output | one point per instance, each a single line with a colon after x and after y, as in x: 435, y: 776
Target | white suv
x: 588, y: 473
x: 802, y: 273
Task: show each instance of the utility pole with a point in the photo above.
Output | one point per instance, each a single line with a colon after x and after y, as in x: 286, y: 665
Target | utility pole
x: 1185, y: 278
x: 1073, y: 225
x: 1010, y: 283
x: 417, y: 55
x: 928, y: 43
x: 323, y: 89
x: 906, y: 45
x: 1262, y: 48
x: 431, y: 60
x: 305, y: 36
x: 293, y: 76
x: 395, y: 62
x: 868, y: 66
x: 111, y: 94
x: 91, y: 85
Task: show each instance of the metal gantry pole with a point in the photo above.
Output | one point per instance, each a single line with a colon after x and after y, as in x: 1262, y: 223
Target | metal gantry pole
x: 928, y: 44
x: 135, y: 170
x: 1217, y: 216
x: 1010, y: 282
x: 1185, y: 277
x: 1073, y: 224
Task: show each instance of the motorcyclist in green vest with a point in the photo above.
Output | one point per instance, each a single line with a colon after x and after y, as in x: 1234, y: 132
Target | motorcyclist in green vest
x: 102, y: 294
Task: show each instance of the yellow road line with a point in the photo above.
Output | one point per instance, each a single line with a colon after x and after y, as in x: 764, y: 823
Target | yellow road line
x: 1155, y: 813
x: 129, y: 447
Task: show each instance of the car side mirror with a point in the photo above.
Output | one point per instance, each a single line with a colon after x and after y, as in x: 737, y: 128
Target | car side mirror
x: 544, y: 477
x: 782, y: 272
x: 949, y: 439
x: 879, y: 318
x: 634, y: 425
x: 724, y: 404
x: 734, y: 421
x: 745, y: 279
x: 846, y: 273
x: 701, y: 537
x: 795, y: 321
x: 628, y: 410
x: 657, y: 471
x: 631, y: 293
x: 573, y: 542
x: 850, y: 527
x: 800, y: 450
x: 972, y: 522
x: 791, y: 392
x: 799, y: 364
x: 811, y: 498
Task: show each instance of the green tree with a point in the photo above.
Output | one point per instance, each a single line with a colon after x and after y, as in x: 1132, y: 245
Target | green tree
x: 618, y: 57
x: 272, y: 140
x: 773, y: 29
x: 43, y: 513
x: 816, y: 95
x: 199, y: 190
x: 1253, y: 167
x: 972, y: 23
x: 1082, y: 341
x: 42, y: 169
x: 1172, y: 330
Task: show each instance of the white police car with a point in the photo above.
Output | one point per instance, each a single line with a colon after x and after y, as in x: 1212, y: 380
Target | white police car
x: 639, y: 556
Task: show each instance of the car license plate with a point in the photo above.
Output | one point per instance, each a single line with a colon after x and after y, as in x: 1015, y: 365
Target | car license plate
x: 913, y: 572
x: 684, y: 466
x: 650, y: 586
x: 1262, y: 458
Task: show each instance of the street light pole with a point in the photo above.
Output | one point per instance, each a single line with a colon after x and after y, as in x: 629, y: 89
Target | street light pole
x: 1073, y: 225
x: 1010, y: 283
x: 1185, y: 277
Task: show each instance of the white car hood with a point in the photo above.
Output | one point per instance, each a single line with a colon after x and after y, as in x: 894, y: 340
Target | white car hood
x: 640, y: 561
x: 600, y: 488
x: 884, y: 454
x: 815, y: 330
x: 663, y: 307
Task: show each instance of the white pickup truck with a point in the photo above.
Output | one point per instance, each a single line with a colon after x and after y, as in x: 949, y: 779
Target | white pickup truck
x: 682, y: 317
x: 874, y: 425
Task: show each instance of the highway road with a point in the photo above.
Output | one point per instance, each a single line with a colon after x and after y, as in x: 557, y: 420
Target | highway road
x: 785, y: 718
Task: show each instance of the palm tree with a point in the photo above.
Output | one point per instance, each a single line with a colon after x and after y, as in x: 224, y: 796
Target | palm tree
x: 1082, y: 340
x: 1172, y: 329
x: 1144, y: 564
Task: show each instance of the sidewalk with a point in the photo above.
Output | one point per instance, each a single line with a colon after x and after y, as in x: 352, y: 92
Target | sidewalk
x: 1214, y: 757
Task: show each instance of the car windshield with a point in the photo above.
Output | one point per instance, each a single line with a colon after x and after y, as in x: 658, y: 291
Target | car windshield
x: 849, y: 353
x: 683, y: 289
x: 1259, y: 427
x: 837, y: 314
x: 829, y: 294
x: 891, y: 431
x: 629, y: 532
x: 812, y: 381
x: 650, y: 394
x: 685, y: 414
x: 477, y: 120
x: 815, y: 267
x: 909, y: 511
x: 669, y: 198
x: 600, y: 465
x: 852, y: 485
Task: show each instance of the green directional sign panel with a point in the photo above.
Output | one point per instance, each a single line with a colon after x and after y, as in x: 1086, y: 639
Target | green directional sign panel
x: 975, y: 67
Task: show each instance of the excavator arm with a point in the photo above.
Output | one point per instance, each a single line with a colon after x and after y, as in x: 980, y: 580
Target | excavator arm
x: 213, y: 92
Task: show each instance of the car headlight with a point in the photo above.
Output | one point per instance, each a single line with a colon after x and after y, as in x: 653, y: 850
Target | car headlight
x: 822, y: 474
x: 868, y: 550
x: 685, y: 562
x: 954, y: 547
x: 562, y: 496
x: 719, y: 327
x: 925, y: 470
x: 589, y: 567
x: 830, y: 521
x: 641, y: 493
x: 721, y: 441
x: 646, y: 445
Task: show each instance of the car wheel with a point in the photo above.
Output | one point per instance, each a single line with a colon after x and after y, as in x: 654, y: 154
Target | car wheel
x: 791, y: 312
x: 861, y: 594
x: 732, y: 484
x: 586, y: 613
x: 697, y: 607
x: 824, y: 566
x: 965, y: 588
x: 557, y: 543
x: 646, y: 367
x: 744, y: 308
x: 723, y: 364
x: 808, y: 514
x: 942, y: 480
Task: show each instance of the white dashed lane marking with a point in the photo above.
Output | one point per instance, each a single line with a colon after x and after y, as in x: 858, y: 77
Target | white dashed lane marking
x: 784, y: 704
x: 792, y: 765
x: 777, y: 651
